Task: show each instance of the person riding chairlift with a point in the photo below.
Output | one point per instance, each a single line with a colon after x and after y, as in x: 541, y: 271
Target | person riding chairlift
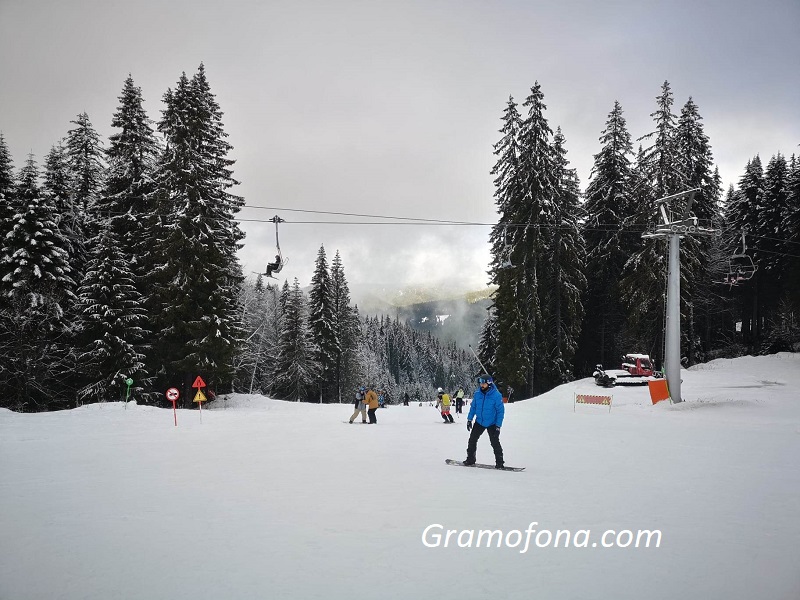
x: 274, y: 267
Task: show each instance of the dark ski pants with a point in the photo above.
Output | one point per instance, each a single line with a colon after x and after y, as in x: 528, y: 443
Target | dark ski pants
x: 448, y: 418
x: 459, y: 405
x: 372, y: 417
x: 494, y: 438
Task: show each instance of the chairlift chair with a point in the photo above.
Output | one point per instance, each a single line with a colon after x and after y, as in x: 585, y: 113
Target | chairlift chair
x: 275, y: 267
x: 741, y: 264
x: 740, y: 267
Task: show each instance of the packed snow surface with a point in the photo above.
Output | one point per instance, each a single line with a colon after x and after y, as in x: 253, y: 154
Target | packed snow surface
x: 271, y: 499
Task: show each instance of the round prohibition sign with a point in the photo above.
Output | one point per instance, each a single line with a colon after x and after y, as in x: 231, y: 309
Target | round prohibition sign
x: 172, y: 394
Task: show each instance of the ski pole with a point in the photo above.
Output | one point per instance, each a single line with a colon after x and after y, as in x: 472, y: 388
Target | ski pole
x: 479, y: 360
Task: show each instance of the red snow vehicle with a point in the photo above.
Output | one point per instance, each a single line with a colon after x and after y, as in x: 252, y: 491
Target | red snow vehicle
x: 637, y: 369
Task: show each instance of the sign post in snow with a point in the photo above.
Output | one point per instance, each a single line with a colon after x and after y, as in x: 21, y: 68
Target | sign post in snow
x: 172, y: 395
x: 199, y: 397
x: 129, y: 383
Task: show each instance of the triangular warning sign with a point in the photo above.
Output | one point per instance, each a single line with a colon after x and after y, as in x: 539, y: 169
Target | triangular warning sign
x: 200, y: 396
x: 199, y: 383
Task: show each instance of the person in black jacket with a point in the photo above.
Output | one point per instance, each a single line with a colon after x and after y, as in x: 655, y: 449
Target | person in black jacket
x: 274, y: 267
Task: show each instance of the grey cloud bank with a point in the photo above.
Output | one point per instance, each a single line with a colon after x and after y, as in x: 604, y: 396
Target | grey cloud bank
x: 393, y: 108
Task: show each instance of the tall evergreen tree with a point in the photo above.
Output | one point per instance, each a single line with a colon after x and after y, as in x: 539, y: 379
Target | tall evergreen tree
x: 564, y: 272
x: 520, y: 320
x: 194, y: 286
x: 511, y: 324
x: 297, y: 370
x: 111, y: 319
x: 771, y: 251
x: 610, y: 242
x: 35, y: 282
x: 346, y: 330
x: 773, y: 227
x: 657, y: 174
x: 321, y: 322
x: 695, y: 161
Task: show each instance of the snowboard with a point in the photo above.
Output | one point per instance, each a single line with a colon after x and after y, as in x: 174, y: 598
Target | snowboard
x: 459, y: 463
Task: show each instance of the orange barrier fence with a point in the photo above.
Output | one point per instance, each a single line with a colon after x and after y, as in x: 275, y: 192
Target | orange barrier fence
x: 592, y: 399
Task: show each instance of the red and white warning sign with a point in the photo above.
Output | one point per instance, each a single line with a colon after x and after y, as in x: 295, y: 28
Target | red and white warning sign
x: 173, y: 394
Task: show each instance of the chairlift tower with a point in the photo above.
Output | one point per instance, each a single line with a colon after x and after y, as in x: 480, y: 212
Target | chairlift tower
x: 674, y: 229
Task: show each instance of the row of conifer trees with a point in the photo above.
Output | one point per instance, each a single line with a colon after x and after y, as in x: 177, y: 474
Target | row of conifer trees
x: 579, y: 285
x: 119, y: 264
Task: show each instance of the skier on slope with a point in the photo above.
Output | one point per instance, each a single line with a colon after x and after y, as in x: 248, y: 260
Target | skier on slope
x: 488, y: 410
x: 443, y: 404
x: 371, y: 400
x: 359, y: 405
x: 459, y: 400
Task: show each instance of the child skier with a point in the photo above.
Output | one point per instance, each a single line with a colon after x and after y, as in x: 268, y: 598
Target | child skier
x: 443, y: 403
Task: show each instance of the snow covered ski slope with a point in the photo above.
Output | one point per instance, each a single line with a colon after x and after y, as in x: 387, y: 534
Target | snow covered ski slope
x: 271, y: 499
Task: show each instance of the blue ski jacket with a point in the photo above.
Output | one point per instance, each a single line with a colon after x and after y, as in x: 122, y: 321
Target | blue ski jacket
x: 487, y: 407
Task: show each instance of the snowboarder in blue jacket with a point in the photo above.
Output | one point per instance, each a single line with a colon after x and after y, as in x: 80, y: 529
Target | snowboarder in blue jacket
x: 487, y: 409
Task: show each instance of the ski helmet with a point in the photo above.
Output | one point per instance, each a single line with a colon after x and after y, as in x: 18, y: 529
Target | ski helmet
x: 439, y: 391
x: 485, y: 379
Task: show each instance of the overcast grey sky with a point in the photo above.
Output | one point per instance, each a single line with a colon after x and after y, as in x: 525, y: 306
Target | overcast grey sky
x: 392, y: 108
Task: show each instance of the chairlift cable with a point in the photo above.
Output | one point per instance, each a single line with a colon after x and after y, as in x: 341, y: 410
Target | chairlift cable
x: 397, y: 220
x: 366, y: 216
